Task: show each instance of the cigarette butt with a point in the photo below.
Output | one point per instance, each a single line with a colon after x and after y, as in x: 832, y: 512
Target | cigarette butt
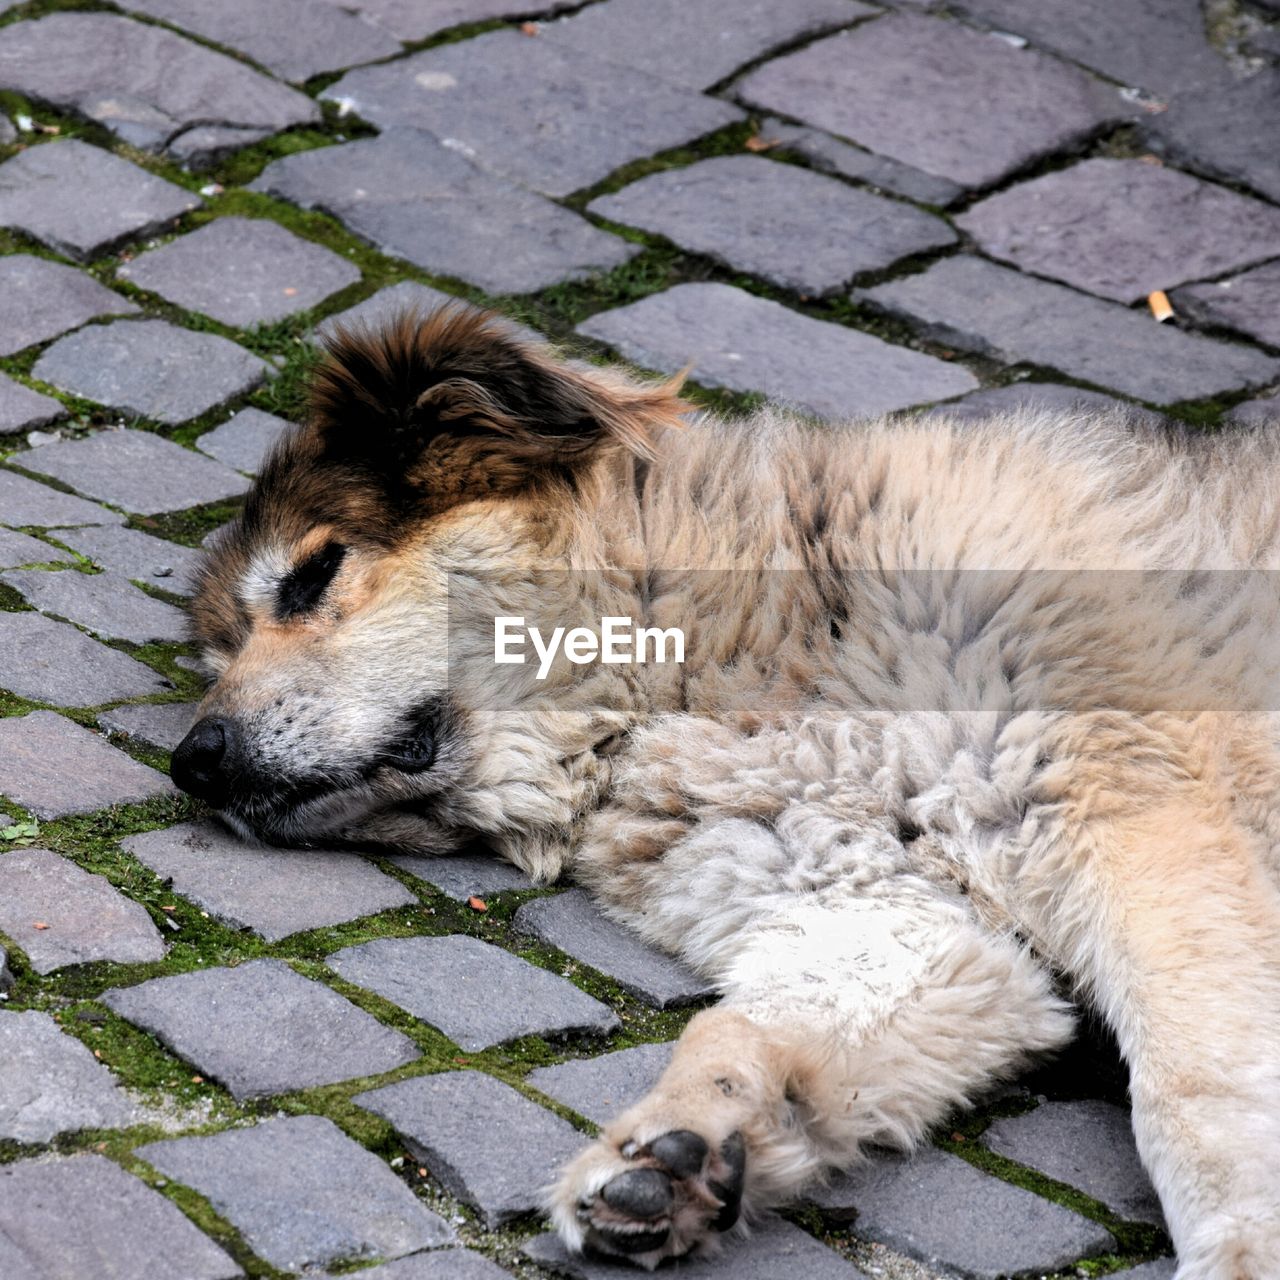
x: 1160, y: 305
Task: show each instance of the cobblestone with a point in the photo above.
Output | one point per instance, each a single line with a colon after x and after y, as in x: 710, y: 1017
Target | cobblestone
x: 441, y: 1264
x: 84, y: 1216
x: 940, y: 1209
x: 477, y: 994
x: 53, y: 767
x: 86, y: 918
x: 242, y: 271
x: 40, y: 299
x: 1202, y: 131
x: 80, y: 200
x: 1261, y: 412
x: 1158, y: 44
x: 544, y: 115
x: 1088, y: 1145
x: 145, y: 84
x: 136, y: 470
x: 572, y: 922
x: 106, y: 604
x: 160, y: 725
x: 602, y: 1088
x: 301, y: 1193
x: 798, y: 229
x: 833, y: 155
x: 1160, y: 1269
x: 1019, y: 395
x: 260, y: 1028
x: 274, y: 892
x: 416, y: 198
x: 775, y: 1249
x: 935, y: 95
x: 1248, y: 303
x: 479, y: 1164
x: 151, y: 368
x: 50, y: 1083
x: 464, y: 876
x: 294, y: 39
x: 25, y: 502
x: 745, y: 343
x: 136, y: 555
x: 244, y: 440
x: 21, y: 409
x: 20, y: 548
x: 1010, y: 317
x: 415, y: 20
x: 49, y: 661
x: 697, y: 45
x: 1121, y: 228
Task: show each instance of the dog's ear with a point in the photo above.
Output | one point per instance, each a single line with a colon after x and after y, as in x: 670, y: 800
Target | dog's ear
x: 455, y: 404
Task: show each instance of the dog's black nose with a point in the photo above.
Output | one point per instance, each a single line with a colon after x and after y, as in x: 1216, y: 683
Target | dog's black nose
x: 203, y: 762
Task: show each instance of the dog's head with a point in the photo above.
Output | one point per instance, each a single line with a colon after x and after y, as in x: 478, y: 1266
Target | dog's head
x: 438, y: 449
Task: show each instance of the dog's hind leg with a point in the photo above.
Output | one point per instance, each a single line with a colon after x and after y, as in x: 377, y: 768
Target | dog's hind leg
x: 848, y: 1018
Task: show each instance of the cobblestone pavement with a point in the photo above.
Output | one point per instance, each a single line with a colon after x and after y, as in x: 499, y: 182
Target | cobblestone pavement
x: 216, y: 1062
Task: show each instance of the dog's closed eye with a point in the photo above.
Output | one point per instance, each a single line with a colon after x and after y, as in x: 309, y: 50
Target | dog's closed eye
x: 303, y: 587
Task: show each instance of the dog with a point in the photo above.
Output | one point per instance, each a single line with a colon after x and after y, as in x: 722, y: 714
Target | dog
x: 964, y: 710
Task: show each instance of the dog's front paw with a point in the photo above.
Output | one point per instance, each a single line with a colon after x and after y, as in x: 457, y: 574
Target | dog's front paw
x: 651, y: 1200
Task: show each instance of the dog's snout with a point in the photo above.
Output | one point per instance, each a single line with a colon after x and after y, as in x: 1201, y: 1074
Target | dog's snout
x: 203, y: 763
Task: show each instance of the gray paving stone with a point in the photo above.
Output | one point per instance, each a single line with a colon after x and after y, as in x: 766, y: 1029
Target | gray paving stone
x: 162, y: 725
x: 799, y: 229
x: 1202, y: 131
x: 81, y: 200
x: 479, y: 1163
x: 1260, y: 412
x: 133, y: 554
x: 51, y: 1084
x: 979, y: 306
x: 697, y: 45
x: 1088, y: 1145
x: 295, y: 39
x: 1033, y: 395
x: 935, y: 95
x: 1121, y: 228
x: 53, y: 767
x: 19, y: 548
x: 87, y: 918
x: 274, y: 892
x: 416, y: 19
x: 106, y: 604
x: 465, y: 875
x: 21, y: 409
x: 775, y: 1249
x: 26, y: 502
x: 40, y: 299
x: 261, y: 1029
x: 476, y: 993
x: 205, y: 145
x: 301, y: 1192
x: 604, y: 1087
x: 150, y: 368
x: 832, y: 155
x: 418, y: 199
x: 80, y: 1216
x: 8, y: 133
x: 6, y: 974
x: 142, y: 82
x: 244, y: 441
x: 242, y: 271
x: 1248, y: 303
x: 940, y: 1209
x: 136, y: 470
x: 49, y: 661
x: 540, y: 113
x: 572, y: 922
x: 745, y: 343
x: 1160, y: 1269
x: 441, y: 1264
x: 1159, y: 45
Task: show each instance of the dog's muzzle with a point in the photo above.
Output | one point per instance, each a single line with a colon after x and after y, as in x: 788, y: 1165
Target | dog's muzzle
x: 206, y: 762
